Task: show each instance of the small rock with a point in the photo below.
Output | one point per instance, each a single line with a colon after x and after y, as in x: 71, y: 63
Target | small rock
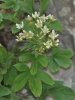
x: 24, y: 91
x: 64, y: 11
x: 74, y: 2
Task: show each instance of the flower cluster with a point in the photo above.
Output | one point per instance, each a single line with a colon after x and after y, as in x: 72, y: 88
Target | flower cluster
x: 24, y: 35
x: 42, y: 36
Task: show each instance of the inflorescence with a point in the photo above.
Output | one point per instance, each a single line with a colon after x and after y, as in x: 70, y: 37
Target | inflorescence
x: 42, y: 37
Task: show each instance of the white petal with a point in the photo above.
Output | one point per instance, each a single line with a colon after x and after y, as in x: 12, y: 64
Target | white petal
x: 44, y: 43
x: 47, y: 47
x: 17, y: 40
x: 24, y: 31
x: 17, y: 26
x: 57, y: 40
x: 53, y: 32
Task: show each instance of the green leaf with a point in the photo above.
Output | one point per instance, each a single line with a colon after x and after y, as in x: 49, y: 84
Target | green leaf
x: 9, y: 59
x: 57, y: 83
x: 62, y: 93
x: 55, y: 25
x: 20, y: 81
x: 60, y: 57
x: 2, y: 49
x: 7, y: 5
x: 35, y: 85
x: 9, y: 56
x: 3, y: 54
x: 39, y: 65
x: 45, y: 77
x: 1, y: 77
x: 10, y: 76
x: 8, y: 0
x: 63, y: 61
x: 21, y: 67
x: 66, y: 52
x: 53, y: 66
x: 4, y: 23
x: 26, y: 56
x: 43, y: 5
x: 4, y: 91
x: 3, y: 71
x: 8, y: 63
x: 28, y: 46
x: 47, y: 87
x: 28, y: 6
x: 14, y: 97
x: 18, y: 4
x: 3, y: 98
x: 43, y: 60
x: 34, y: 66
x: 14, y: 29
x: 6, y: 16
x: 28, y: 99
x: 19, y: 13
x: 28, y: 27
x: 55, y: 50
x: 14, y: 19
x: 1, y: 17
x: 10, y: 17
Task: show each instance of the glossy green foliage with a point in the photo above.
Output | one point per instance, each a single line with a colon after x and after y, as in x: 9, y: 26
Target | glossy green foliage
x: 62, y: 93
x: 35, y: 85
x: 20, y: 81
x: 58, y: 91
x: 43, y: 60
x: 5, y: 61
x: 45, y: 77
x: 43, y: 5
x: 4, y: 91
x: 26, y: 56
x: 1, y: 17
x: 17, y: 8
x: 60, y: 58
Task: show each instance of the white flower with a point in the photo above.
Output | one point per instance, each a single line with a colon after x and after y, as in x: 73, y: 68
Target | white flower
x: 43, y: 18
x: 39, y: 24
x: 45, y: 29
x: 35, y: 15
x: 21, y: 34
x: 56, y: 42
x: 30, y: 35
x: 29, y: 18
x: 25, y: 34
x: 41, y: 49
x: 20, y: 26
x: 48, y: 44
x: 53, y: 35
x: 51, y: 17
x: 19, y: 38
x: 40, y: 35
